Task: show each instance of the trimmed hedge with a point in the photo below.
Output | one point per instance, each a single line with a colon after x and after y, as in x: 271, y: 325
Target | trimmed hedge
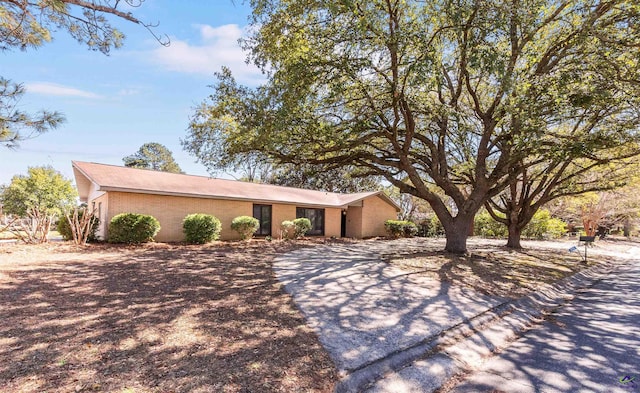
x: 288, y: 229
x: 133, y: 228
x: 64, y: 227
x: 200, y: 228
x: 246, y: 226
x: 302, y: 226
x: 397, y: 228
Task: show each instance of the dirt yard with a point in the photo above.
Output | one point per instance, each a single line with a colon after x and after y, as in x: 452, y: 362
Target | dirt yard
x: 156, y: 318
x: 495, y: 270
x: 173, y: 318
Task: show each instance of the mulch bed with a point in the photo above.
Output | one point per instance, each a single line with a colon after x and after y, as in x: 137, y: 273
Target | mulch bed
x: 154, y: 318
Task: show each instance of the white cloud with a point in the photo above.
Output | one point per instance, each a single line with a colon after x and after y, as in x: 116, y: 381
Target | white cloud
x: 129, y: 92
x: 218, y: 47
x: 53, y: 89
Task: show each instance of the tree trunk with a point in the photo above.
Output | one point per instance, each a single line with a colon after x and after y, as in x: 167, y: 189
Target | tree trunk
x: 457, y: 232
x: 515, y: 233
x: 626, y: 230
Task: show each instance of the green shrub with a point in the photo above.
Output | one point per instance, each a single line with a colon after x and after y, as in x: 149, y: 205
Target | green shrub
x: 397, y: 228
x: 431, y: 227
x: 201, y: 228
x: 484, y: 225
x: 133, y: 228
x: 64, y: 227
x: 246, y: 226
x: 302, y: 225
x: 287, y: 229
x: 542, y: 226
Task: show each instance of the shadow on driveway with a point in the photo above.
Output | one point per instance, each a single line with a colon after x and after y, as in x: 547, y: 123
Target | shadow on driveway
x: 365, y: 310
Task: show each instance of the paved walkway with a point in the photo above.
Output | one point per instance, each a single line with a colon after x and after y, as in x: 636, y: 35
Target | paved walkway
x: 375, y: 319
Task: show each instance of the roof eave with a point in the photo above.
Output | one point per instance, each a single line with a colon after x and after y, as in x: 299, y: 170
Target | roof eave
x: 380, y: 194
x: 223, y: 197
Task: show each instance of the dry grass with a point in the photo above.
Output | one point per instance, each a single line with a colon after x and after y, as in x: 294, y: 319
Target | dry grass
x: 157, y: 318
x: 175, y: 318
x: 496, y: 270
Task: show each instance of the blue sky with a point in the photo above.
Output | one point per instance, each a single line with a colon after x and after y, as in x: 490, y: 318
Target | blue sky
x: 141, y: 93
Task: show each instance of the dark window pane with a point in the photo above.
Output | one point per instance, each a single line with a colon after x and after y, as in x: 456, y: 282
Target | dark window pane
x: 263, y: 214
x: 316, y: 216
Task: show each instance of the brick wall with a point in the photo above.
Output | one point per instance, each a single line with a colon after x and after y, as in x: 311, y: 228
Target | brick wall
x: 101, y: 208
x: 375, y: 212
x: 281, y: 213
x: 332, y: 222
x: 171, y: 210
x: 354, y: 222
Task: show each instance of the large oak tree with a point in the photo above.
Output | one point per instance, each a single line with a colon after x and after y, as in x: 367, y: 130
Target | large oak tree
x: 440, y: 98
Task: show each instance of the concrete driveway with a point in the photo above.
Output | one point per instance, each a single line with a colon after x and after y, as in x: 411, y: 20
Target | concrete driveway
x: 385, y: 328
x: 590, y: 345
x: 365, y: 310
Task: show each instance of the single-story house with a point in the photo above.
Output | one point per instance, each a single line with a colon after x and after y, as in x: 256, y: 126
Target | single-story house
x: 169, y: 197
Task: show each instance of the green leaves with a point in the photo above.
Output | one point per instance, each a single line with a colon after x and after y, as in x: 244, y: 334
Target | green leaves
x: 27, y: 24
x: 44, y: 189
x: 463, y: 95
x: 15, y: 125
x: 153, y: 156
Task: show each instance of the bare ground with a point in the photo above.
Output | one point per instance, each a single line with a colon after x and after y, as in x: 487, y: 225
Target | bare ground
x: 493, y: 269
x: 156, y: 318
x: 175, y: 318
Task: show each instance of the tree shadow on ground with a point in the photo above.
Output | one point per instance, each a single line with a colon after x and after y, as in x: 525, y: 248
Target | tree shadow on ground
x: 364, y: 309
x: 162, y: 319
x: 590, y: 344
x: 496, y: 271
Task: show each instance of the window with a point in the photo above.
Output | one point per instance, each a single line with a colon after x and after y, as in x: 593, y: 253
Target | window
x: 263, y: 214
x: 316, y: 216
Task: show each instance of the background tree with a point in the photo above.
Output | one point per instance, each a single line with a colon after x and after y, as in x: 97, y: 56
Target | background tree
x: 38, y: 199
x: 626, y: 207
x: 564, y: 176
x: 153, y: 156
x: 429, y: 95
x: 26, y: 24
x: 411, y: 208
x: 321, y: 178
x: 606, y: 210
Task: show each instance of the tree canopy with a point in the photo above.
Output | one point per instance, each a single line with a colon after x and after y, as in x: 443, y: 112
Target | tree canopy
x: 153, y: 156
x: 27, y: 24
x: 211, y: 130
x: 439, y: 95
x: 35, y: 201
x: 16, y: 125
x: 43, y: 189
